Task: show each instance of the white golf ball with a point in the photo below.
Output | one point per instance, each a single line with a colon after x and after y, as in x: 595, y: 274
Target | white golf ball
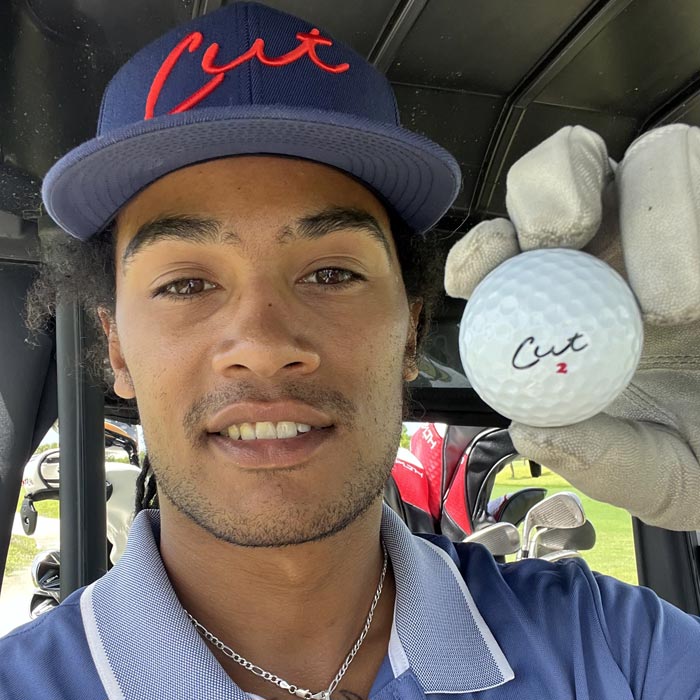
x: 551, y: 337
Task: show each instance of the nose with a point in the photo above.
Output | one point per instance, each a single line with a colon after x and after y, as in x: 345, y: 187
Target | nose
x: 264, y: 336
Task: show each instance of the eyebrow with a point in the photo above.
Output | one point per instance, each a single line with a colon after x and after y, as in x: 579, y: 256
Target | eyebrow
x: 203, y: 231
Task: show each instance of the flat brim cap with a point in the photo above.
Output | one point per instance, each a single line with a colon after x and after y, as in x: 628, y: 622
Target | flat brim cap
x: 246, y: 80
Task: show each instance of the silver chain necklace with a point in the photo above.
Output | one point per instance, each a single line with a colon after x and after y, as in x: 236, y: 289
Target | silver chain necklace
x: 294, y: 689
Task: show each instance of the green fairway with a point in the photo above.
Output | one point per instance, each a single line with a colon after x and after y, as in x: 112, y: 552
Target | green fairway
x: 613, y: 553
x: 20, y: 554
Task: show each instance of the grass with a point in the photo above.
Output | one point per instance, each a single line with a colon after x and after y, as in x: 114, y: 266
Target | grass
x: 22, y: 551
x: 613, y: 553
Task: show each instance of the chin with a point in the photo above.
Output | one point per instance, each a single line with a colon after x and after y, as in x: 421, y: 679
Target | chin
x: 274, y: 521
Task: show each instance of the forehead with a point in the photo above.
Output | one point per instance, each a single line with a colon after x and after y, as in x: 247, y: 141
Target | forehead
x: 255, y: 195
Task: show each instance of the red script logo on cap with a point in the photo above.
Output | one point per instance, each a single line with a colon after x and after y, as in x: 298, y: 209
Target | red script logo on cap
x: 307, y: 47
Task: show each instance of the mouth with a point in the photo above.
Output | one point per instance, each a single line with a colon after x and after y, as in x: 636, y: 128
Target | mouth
x: 285, y: 447
x: 254, y: 434
x: 267, y: 430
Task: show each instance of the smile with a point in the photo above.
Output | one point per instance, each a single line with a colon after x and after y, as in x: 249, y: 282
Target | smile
x: 274, y: 452
x: 265, y: 430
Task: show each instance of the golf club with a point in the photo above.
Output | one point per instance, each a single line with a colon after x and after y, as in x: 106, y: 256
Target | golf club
x: 550, y: 540
x: 562, y: 510
x: 500, y: 539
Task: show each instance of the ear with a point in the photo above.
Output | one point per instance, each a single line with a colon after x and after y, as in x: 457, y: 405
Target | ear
x: 410, y: 367
x: 123, y: 384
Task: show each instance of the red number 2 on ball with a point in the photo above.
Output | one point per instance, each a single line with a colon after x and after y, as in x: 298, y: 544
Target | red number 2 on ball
x: 561, y: 368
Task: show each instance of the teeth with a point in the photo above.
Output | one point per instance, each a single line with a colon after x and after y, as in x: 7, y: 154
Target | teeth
x: 265, y: 430
x: 247, y: 431
x: 286, y: 429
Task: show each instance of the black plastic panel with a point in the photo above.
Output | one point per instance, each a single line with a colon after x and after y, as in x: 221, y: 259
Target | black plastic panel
x: 49, y: 94
x: 645, y: 55
x: 358, y: 23
x: 458, y: 121
x: 455, y: 407
x: 669, y: 563
x: 23, y: 389
x: 684, y: 108
x: 18, y: 238
x: 116, y: 28
x: 481, y: 45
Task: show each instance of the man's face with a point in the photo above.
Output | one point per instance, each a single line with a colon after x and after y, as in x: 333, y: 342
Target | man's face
x: 274, y: 285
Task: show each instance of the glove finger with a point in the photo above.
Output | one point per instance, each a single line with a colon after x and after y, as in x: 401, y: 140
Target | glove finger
x: 481, y: 250
x: 607, y: 243
x: 645, y: 468
x: 658, y: 183
x: 554, y: 191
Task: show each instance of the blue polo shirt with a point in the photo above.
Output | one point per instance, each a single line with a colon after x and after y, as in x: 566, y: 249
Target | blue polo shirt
x: 465, y: 627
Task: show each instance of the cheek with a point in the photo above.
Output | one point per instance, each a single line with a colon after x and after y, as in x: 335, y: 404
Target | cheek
x: 377, y: 316
x: 371, y: 360
x: 161, y: 363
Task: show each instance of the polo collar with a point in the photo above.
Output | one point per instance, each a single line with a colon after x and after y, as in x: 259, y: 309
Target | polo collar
x: 145, y: 648
x: 446, y: 641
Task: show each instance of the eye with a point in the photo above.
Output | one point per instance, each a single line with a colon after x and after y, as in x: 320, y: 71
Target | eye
x: 332, y: 277
x: 186, y: 288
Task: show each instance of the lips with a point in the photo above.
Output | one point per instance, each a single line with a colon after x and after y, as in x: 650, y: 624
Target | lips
x: 280, y: 452
x: 259, y: 412
x: 276, y: 453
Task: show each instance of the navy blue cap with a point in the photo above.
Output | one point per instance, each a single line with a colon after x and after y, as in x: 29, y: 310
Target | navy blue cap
x: 247, y: 79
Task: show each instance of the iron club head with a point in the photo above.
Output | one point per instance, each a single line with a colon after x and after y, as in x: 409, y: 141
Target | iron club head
x: 500, y: 538
x: 562, y: 510
x: 550, y: 540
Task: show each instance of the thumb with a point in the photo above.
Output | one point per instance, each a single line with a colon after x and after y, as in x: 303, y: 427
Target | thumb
x: 646, y: 468
x: 481, y: 250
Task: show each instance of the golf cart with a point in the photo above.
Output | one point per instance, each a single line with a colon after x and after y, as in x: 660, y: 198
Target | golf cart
x: 41, y: 479
x: 487, y: 80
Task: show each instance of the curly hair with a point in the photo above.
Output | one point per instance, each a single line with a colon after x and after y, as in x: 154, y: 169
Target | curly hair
x: 84, y: 272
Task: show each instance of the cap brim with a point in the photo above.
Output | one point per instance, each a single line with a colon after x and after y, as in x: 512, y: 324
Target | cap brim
x: 84, y: 190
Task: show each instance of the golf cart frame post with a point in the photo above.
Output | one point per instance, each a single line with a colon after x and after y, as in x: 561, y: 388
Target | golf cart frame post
x: 81, y: 438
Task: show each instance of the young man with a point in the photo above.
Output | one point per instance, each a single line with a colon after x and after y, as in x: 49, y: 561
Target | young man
x: 263, y: 326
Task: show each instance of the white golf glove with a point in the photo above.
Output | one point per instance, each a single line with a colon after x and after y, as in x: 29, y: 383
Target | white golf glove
x: 643, y: 218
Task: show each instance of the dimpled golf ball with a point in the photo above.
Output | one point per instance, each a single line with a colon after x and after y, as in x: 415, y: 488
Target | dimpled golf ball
x: 551, y: 337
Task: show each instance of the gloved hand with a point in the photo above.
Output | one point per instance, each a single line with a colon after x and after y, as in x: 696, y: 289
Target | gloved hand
x: 643, y: 218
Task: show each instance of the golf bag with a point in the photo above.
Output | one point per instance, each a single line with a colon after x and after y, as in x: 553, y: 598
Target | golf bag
x: 443, y: 484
